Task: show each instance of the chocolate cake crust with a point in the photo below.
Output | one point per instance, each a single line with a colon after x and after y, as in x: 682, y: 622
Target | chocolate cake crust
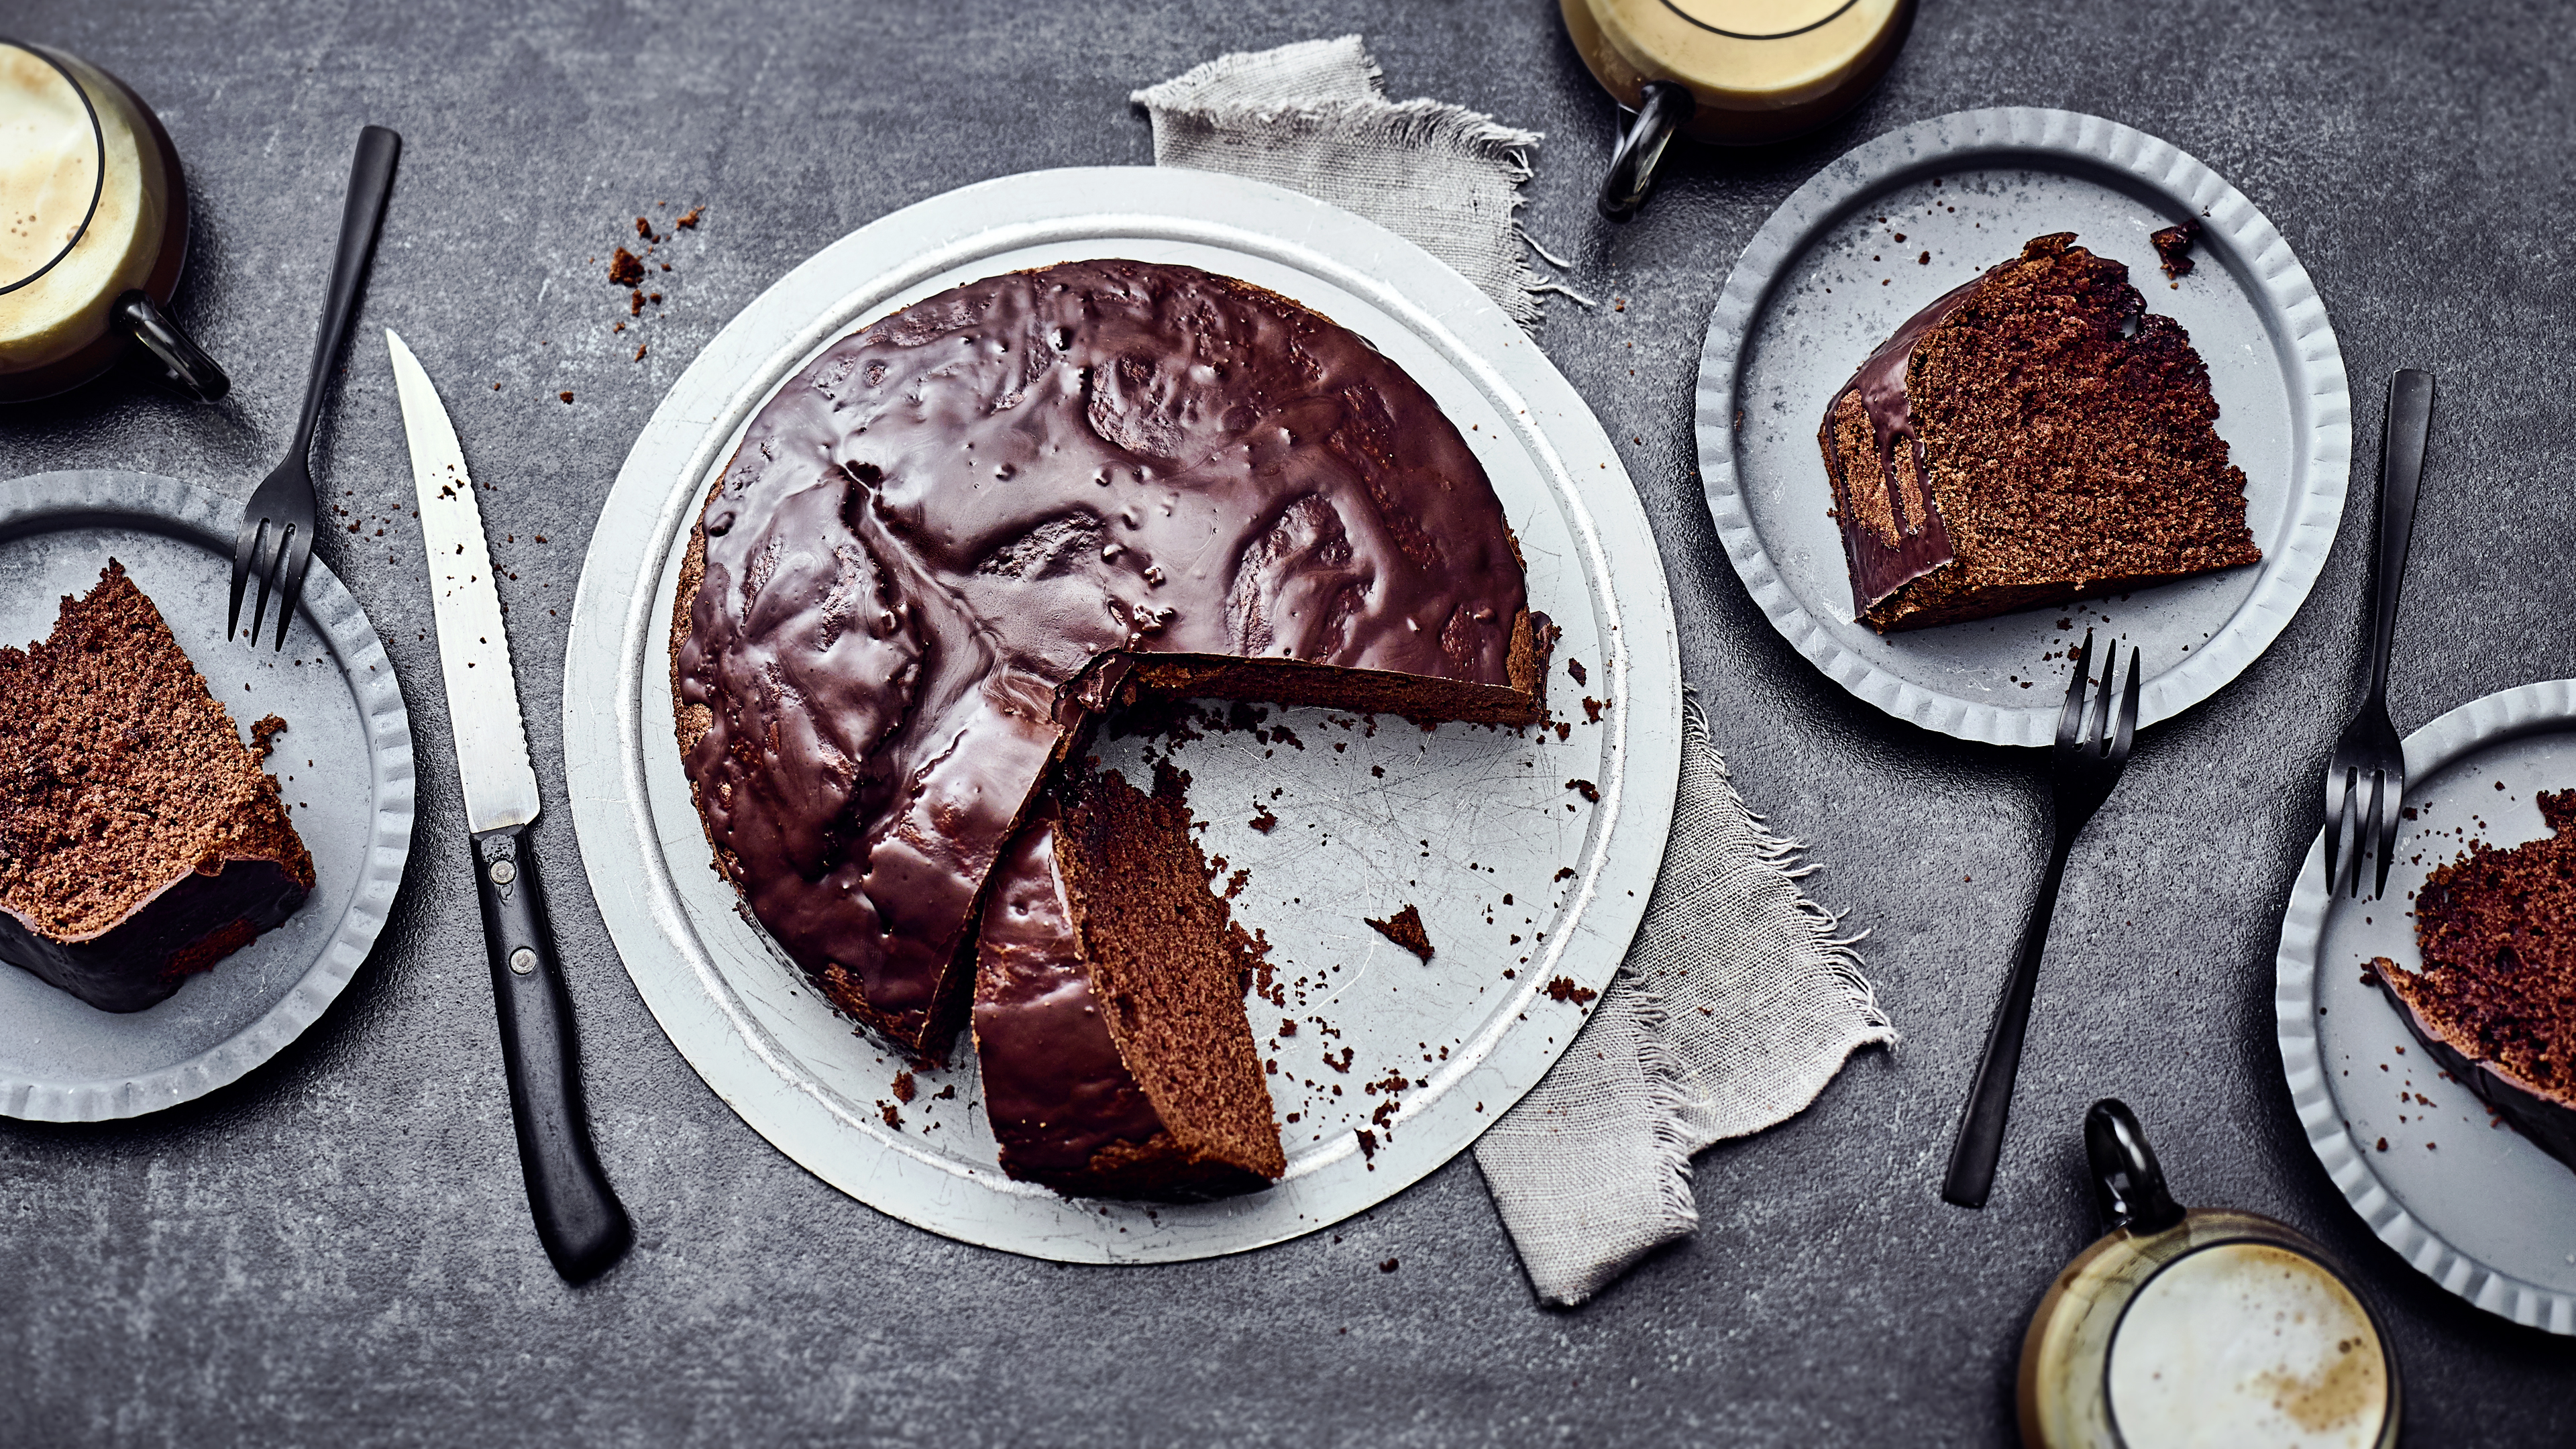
x: 967, y: 527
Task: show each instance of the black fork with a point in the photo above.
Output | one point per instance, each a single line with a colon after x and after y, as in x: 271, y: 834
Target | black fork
x: 2366, y: 782
x: 276, y: 539
x: 2082, y: 768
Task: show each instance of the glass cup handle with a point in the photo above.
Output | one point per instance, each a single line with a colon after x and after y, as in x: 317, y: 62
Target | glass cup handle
x: 2128, y: 1184
x: 187, y: 363
x: 1662, y: 108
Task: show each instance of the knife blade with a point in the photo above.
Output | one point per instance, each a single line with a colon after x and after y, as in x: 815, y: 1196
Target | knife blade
x: 579, y: 1220
x: 473, y: 651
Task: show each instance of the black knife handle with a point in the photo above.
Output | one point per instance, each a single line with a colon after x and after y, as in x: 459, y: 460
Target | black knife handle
x: 579, y: 1219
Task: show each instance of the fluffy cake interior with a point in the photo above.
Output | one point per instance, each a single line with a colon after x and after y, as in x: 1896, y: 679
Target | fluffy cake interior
x: 119, y: 772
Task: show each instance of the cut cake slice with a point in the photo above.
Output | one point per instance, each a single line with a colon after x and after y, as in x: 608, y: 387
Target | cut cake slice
x: 140, y: 840
x: 1108, y: 1011
x: 2033, y: 437
x: 2495, y: 1002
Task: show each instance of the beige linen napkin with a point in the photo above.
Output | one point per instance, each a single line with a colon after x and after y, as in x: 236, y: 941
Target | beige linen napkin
x: 1739, y: 1000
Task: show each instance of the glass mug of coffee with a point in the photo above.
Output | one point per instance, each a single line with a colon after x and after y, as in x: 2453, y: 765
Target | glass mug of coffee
x: 1727, y: 72
x: 93, y: 230
x: 2205, y: 1327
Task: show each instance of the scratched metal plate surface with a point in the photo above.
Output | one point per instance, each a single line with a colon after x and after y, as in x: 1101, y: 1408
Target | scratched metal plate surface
x: 1529, y: 853
x: 344, y: 762
x: 2471, y: 1204
x: 1826, y: 281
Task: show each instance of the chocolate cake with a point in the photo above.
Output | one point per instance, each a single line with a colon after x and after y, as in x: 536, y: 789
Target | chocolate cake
x: 963, y: 532
x: 2495, y: 1000
x: 2032, y: 437
x: 1109, y: 1004
x: 139, y: 839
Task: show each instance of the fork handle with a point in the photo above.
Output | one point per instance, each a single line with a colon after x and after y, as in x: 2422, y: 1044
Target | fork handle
x: 371, y: 180
x: 2403, y: 433
x: 1980, y: 1142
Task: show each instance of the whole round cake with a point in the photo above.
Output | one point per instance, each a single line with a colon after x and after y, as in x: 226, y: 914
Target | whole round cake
x: 965, y: 531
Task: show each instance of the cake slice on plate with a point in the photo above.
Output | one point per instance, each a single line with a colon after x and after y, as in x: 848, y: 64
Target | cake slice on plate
x: 2495, y: 1002
x: 1109, y: 1004
x: 140, y: 840
x: 2033, y: 437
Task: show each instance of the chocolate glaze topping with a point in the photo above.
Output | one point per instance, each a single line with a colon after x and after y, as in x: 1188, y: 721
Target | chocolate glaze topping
x: 1881, y: 565
x: 928, y: 538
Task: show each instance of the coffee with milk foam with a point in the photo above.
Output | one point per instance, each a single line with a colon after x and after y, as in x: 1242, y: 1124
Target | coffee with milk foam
x: 2247, y: 1343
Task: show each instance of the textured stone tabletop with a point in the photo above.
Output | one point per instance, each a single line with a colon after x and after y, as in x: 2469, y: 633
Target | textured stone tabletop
x: 337, y: 1249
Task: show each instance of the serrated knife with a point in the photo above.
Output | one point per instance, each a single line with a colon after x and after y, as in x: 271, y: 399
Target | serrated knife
x: 579, y: 1219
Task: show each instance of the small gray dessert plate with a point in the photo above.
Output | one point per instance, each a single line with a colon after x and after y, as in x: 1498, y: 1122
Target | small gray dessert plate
x: 344, y: 761
x: 1875, y: 236
x: 2470, y: 1202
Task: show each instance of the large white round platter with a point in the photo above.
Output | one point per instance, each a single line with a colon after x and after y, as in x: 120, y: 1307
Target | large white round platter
x: 1524, y: 877
x: 1825, y: 281
x: 2469, y: 1202
x: 344, y: 762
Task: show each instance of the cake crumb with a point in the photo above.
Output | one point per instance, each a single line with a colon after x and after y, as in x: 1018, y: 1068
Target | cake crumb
x: 1564, y: 989
x: 1575, y: 668
x: 1388, y: 1266
x: 264, y: 731
x: 566, y: 395
x: 1404, y: 928
x: 1262, y: 820
x: 1368, y: 1142
x: 1585, y: 788
x: 903, y: 1086
x: 625, y: 269
x: 2173, y: 246
x: 689, y: 219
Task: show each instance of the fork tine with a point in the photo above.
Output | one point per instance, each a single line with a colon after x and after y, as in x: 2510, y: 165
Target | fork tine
x: 264, y: 564
x: 2388, y: 816
x: 2098, y: 738
x: 245, y: 543
x: 2128, y: 727
x: 2365, y: 838
x: 2339, y: 787
x: 296, y: 554
x: 2070, y: 716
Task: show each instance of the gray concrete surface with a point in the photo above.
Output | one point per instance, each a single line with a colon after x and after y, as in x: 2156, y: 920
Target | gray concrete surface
x: 336, y: 1251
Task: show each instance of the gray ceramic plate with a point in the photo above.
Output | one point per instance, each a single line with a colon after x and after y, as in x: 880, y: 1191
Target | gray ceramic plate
x: 2471, y: 1203
x: 1824, y: 282
x: 1520, y: 879
x: 344, y: 761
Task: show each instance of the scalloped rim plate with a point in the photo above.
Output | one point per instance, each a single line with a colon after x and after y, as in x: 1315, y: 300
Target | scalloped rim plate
x: 204, y: 518
x: 1806, y: 590
x: 2494, y: 1184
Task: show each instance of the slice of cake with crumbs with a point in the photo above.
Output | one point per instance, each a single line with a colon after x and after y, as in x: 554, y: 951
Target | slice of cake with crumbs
x: 1109, y: 1017
x: 2033, y: 437
x: 140, y: 840
x: 2495, y: 999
